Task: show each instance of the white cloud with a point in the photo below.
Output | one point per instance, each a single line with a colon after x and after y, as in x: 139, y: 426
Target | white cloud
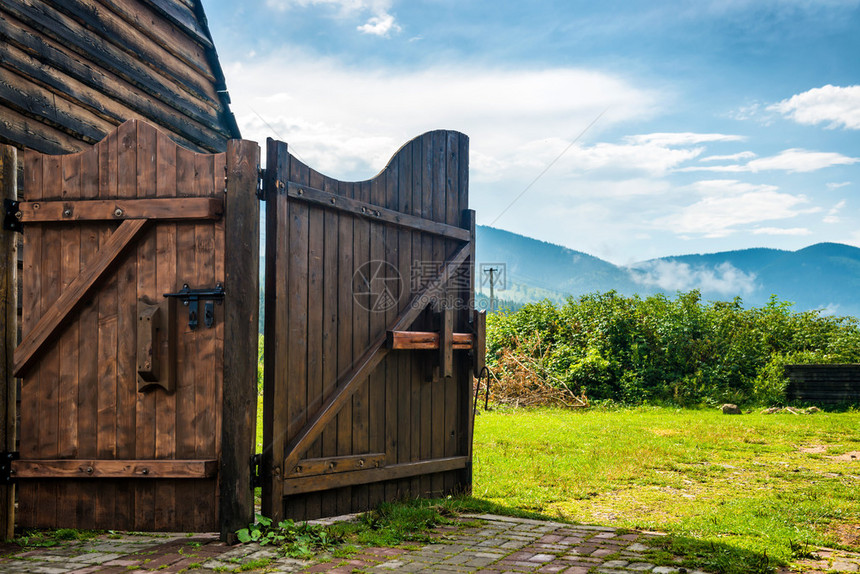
x: 790, y: 160
x: 347, y: 122
x: 676, y: 276
x: 732, y: 157
x: 781, y: 231
x: 728, y: 204
x: 833, y: 215
x: 380, y: 26
x: 381, y: 23
x: 680, y: 138
x: 837, y: 185
x: 832, y: 105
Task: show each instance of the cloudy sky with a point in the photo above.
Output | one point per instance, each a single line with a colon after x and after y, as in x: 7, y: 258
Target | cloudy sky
x: 667, y: 127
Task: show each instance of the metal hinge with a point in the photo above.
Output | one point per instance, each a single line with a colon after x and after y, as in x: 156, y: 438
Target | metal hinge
x: 256, y: 479
x: 12, y: 216
x: 6, y: 459
x: 261, y: 184
x: 190, y: 298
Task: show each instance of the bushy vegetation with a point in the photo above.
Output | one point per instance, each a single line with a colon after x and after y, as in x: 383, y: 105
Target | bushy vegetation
x: 660, y: 350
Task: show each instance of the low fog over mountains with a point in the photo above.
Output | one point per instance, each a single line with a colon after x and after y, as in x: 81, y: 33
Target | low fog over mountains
x: 822, y: 276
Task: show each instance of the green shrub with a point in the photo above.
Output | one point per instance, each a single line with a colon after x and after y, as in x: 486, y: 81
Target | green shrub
x: 682, y: 351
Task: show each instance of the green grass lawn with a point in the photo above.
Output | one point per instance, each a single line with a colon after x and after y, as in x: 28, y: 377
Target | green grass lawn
x: 768, y: 484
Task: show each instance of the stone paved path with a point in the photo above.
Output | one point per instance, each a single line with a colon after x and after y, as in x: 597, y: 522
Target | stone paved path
x: 481, y: 544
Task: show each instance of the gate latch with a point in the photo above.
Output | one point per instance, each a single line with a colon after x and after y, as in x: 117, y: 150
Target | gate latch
x: 6, y: 458
x: 191, y: 297
x: 12, y: 215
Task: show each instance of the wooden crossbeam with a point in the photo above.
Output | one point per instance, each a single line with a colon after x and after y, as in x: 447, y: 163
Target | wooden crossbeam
x: 67, y: 468
x: 374, y: 212
x: 418, y: 340
x: 349, y: 383
x: 336, y: 464
x: 35, y: 340
x: 167, y: 208
x: 391, y: 472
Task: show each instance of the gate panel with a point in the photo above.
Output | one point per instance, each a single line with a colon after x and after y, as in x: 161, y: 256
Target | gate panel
x: 349, y: 422
x: 108, y: 440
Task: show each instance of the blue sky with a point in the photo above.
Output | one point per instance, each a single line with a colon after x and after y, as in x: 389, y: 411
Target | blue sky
x: 719, y: 124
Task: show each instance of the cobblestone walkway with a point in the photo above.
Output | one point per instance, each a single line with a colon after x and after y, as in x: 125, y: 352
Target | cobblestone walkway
x: 481, y: 544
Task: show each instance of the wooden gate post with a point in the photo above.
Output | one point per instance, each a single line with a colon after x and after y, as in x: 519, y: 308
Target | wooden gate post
x: 242, y: 284
x: 8, y: 335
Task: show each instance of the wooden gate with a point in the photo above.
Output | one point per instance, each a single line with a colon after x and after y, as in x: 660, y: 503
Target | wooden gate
x: 369, y: 331
x: 140, y: 260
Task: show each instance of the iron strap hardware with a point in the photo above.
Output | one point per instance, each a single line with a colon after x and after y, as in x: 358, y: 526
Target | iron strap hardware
x: 190, y: 298
x: 6, y: 458
x: 12, y: 216
x: 256, y: 479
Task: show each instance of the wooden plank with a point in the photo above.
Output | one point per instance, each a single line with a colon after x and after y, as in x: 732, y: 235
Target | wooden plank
x: 186, y: 351
x: 423, y: 168
x: 69, y: 349
x: 446, y: 343
x: 34, y: 341
x: 453, y: 396
x: 405, y: 420
x: 438, y: 193
x: 170, y: 209
x: 364, y: 366
x: 166, y: 262
x: 335, y: 464
x: 374, y: 212
x: 241, y: 282
x: 276, y: 321
x: 418, y: 340
x: 33, y: 134
x: 107, y: 339
x: 361, y: 333
x: 30, y: 310
x: 345, y: 302
x: 8, y: 334
x: 377, y: 475
x: 88, y: 367
x: 145, y: 403
x: 135, y: 468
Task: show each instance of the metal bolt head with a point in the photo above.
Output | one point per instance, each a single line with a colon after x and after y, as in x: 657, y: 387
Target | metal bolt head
x: 67, y: 213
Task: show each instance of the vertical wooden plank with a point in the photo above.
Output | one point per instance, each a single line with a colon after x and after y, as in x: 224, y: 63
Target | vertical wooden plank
x: 49, y: 367
x: 186, y: 344
x: 88, y: 366
x: 345, y: 353
x: 450, y: 190
x: 330, y: 334
x: 361, y: 339
x: 429, y: 260
x: 405, y: 419
x: 275, y: 395
x: 8, y: 333
x: 69, y: 343
x: 297, y: 388
x: 145, y: 404
x: 219, y: 188
x: 241, y: 268
x: 165, y: 279
x: 437, y: 189
x: 391, y: 245
x: 377, y: 387
x: 416, y: 374
x: 108, y: 341
x: 206, y: 388
x: 314, y: 311
x: 28, y: 492
x: 466, y: 371
x: 126, y: 442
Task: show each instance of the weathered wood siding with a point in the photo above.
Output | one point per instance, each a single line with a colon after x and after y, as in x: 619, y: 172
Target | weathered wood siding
x: 838, y: 383
x: 72, y: 71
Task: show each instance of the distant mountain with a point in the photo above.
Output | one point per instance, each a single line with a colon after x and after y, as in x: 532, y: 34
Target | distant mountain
x: 822, y: 276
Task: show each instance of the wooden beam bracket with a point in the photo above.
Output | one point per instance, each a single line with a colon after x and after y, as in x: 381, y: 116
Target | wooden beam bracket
x: 120, y: 209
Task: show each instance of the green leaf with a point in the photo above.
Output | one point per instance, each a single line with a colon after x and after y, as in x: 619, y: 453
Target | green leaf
x: 243, y: 535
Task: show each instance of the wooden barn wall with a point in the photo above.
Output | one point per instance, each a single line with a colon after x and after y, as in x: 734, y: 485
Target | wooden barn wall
x: 72, y: 71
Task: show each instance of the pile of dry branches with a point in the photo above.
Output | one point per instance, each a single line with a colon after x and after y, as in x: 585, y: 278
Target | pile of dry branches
x: 518, y: 380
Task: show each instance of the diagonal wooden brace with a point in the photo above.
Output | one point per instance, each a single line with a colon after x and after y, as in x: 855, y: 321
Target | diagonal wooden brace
x: 377, y: 351
x: 46, y: 328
